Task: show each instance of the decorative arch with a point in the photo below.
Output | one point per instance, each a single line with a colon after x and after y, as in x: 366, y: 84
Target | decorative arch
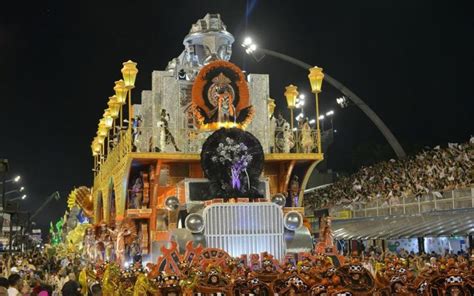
x: 120, y: 183
x: 111, y: 211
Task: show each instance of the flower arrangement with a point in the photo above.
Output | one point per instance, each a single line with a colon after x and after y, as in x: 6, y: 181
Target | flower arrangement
x: 236, y: 156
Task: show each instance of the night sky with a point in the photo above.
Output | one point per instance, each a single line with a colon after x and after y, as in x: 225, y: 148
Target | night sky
x: 410, y: 61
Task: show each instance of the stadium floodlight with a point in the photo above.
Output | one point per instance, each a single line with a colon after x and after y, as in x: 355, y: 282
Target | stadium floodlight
x: 23, y: 196
x: 249, y: 45
x: 321, y: 117
x: 14, y: 180
x: 330, y: 113
x: 251, y: 48
x: 342, y: 102
x: 247, y: 41
x: 312, y: 121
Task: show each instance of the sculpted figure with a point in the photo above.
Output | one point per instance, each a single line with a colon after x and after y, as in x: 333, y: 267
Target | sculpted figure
x: 306, y: 138
x: 118, y: 235
x: 165, y: 135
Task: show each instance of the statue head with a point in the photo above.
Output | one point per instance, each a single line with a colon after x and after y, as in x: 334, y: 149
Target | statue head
x: 207, y: 41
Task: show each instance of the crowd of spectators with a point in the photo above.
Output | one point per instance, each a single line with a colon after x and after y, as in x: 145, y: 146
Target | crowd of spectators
x: 38, y: 274
x: 431, y: 171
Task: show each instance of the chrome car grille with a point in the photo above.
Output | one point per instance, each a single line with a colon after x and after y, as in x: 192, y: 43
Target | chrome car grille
x: 245, y: 228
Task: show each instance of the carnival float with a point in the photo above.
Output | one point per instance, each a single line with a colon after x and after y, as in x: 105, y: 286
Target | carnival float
x: 198, y: 190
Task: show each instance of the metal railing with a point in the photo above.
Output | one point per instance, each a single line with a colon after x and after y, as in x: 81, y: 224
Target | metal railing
x: 149, y: 139
x: 124, y: 146
x: 438, y: 201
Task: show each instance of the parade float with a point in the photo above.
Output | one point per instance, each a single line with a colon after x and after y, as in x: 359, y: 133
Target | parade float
x: 201, y: 159
x: 198, y: 190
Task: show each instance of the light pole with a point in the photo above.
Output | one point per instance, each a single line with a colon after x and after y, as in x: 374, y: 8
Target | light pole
x: 13, y: 180
x: 95, y: 147
x: 16, y: 190
x: 103, y: 132
x: 129, y: 73
x: 291, y: 93
x: 114, y: 110
x: 18, y: 198
x: 253, y: 49
x: 121, y: 97
x: 316, y: 77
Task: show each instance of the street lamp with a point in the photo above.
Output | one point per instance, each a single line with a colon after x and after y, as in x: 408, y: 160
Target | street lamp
x: 121, y: 97
x: 129, y: 73
x: 108, y: 119
x: 114, y: 106
x: 14, y: 180
x: 100, y: 141
x: 114, y: 110
x: 316, y: 77
x: 21, y: 189
x: 96, y: 148
x: 18, y: 198
x: 103, y: 132
x: 291, y: 93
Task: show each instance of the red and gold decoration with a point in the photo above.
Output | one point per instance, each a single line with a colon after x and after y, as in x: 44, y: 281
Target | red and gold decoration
x: 208, y: 270
x: 220, y: 97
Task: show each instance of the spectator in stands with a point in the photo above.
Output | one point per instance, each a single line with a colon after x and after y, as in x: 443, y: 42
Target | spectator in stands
x: 430, y: 171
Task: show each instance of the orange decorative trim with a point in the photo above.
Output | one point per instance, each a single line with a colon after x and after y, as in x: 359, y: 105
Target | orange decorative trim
x: 198, y: 101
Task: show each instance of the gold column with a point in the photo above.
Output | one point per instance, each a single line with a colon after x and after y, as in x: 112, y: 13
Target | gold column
x: 292, y: 120
x: 318, y: 130
x: 316, y: 77
x: 130, y: 111
x: 291, y: 93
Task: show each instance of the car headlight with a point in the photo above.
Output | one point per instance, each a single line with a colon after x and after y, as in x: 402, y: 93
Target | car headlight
x: 293, y: 220
x: 279, y: 199
x: 172, y: 203
x: 194, y: 222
